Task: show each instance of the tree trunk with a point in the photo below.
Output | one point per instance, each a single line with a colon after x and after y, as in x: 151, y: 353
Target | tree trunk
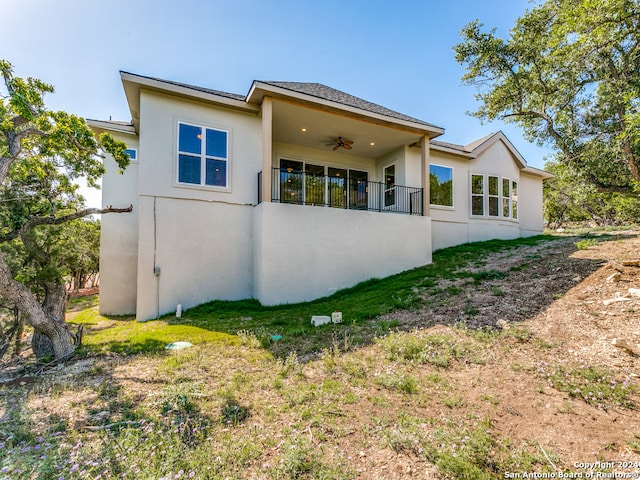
x: 46, y: 319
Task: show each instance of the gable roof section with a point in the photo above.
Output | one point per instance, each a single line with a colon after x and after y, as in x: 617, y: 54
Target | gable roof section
x: 330, y: 99
x: 331, y: 94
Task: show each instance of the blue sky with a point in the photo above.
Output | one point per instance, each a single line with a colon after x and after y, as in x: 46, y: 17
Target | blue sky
x: 397, y: 54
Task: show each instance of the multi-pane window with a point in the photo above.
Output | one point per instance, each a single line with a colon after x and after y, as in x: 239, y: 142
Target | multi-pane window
x: 202, y: 156
x: 477, y: 194
x: 499, y: 195
x: 441, y: 186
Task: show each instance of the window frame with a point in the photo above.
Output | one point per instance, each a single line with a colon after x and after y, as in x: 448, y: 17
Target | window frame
x: 389, y: 192
x: 506, y: 197
x: 203, y: 157
x: 512, y: 197
x: 133, y: 159
x: 481, y: 195
x: 453, y: 202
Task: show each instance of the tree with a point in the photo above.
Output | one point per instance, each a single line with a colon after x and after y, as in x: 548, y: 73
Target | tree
x: 569, y: 76
x: 41, y: 153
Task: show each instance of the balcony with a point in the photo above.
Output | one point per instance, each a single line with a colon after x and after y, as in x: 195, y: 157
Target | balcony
x: 346, y: 189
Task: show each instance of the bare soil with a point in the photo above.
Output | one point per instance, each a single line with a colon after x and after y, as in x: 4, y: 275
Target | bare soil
x: 565, y: 302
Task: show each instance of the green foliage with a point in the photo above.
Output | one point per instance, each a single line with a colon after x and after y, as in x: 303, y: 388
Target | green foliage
x: 569, y: 76
x: 570, y: 197
x: 435, y: 349
x: 586, y: 243
x: 597, y: 386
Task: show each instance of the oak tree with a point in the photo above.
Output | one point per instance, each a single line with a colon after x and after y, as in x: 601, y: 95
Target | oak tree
x: 42, y: 153
x: 569, y: 76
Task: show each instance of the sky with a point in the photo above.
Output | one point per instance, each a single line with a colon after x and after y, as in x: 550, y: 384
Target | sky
x: 398, y: 54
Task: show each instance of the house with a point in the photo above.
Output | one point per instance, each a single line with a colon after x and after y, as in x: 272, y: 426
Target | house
x: 289, y: 193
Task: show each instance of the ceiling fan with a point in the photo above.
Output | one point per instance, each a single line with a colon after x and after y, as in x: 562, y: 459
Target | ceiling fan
x: 340, y: 142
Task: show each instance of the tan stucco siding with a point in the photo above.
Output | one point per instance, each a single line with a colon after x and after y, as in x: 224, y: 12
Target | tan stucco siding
x: 203, y: 251
x: 159, y: 119
x: 119, y: 236
x: 530, y: 205
x: 302, y: 253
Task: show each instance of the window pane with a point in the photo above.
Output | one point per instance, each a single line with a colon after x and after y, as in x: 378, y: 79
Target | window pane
x: 477, y: 184
x: 505, y: 207
x: 216, y: 143
x: 337, y: 187
x: 505, y: 187
x: 314, y: 185
x: 493, y: 206
x: 514, y: 212
x: 390, y: 176
x: 188, y: 169
x: 441, y: 185
x: 477, y: 205
x: 216, y: 173
x: 131, y: 152
x: 493, y: 185
x: 358, y: 189
x: 190, y: 139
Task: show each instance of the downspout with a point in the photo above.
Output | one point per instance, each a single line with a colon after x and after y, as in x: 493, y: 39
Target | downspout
x: 156, y: 268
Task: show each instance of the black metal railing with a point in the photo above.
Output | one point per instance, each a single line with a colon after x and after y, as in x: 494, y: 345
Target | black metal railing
x: 291, y: 186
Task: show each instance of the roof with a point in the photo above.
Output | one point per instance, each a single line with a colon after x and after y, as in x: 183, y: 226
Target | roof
x: 324, y: 92
x: 233, y: 96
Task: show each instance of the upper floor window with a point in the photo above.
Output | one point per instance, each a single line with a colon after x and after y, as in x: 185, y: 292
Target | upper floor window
x: 202, y: 156
x: 133, y: 154
x: 390, y: 185
x: 441, y: 185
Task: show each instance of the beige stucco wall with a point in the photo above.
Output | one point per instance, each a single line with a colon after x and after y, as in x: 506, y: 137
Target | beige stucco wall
x: 530, y: 205
x: 119, y: 236
x: 456, y: 225
x: 159, y: 118
x: 303, y: 252
x: 204, y: 251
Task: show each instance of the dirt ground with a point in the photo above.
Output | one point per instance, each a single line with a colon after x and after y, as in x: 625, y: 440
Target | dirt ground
x: 568, y: 303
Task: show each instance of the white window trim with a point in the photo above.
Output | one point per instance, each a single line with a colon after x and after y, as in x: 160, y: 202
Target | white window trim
x: 484, y: 194
x: 135, y: 149
x: 502, y: 198
x: 203, y: 157
x: 453, y: 190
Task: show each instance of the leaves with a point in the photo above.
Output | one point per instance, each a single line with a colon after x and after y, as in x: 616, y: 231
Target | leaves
x: 569, y: 76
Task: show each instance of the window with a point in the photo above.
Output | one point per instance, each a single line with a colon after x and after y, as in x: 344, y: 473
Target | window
x: 477, y: 194
x: 389, y: 185
x: 202, y: 156
x: 133, y: 154
x: 514, y: 200
x: 493, y: 196
x: 506, y: 198
x: 441, y: 185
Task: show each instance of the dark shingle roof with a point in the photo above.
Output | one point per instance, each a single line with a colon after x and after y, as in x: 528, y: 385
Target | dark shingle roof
x: 464, y: 148
x: 233, y: 96
x: 327, y: 93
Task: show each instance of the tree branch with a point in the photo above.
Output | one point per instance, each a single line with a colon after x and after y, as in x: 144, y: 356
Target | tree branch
x: 34, y: 222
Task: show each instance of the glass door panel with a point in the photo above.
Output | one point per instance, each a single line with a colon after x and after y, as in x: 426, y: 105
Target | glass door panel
x: 290, y: 181
x: 337, y: 188
x: 358, y: 190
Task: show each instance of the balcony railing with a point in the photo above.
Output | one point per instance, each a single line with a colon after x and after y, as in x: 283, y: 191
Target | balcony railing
x: 291, y: 186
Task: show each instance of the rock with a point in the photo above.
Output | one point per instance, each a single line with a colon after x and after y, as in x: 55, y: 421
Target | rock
x: 622, y: 343
x: 503, y: 324
x: 614, y: 277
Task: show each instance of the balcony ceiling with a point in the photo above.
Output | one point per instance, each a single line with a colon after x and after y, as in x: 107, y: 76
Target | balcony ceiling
x: 323, y: 128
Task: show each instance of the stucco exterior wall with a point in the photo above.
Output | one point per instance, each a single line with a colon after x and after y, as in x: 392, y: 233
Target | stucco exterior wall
x: 204, y: 251
x: 119, y: 236
x: 159, y: 118
x: 530, y: 205
x: 302, y: 252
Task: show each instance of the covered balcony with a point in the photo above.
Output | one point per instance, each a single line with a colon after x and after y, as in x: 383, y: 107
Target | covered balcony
x: 340, y: 188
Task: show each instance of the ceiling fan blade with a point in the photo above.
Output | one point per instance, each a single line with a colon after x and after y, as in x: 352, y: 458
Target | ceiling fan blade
x: 336, y: 147
x: 330, y: 144
x: 348, y: 147
x: 347, y: 142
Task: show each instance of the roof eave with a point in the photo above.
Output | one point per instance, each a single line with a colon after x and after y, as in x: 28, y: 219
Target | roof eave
x: 111, y: 126
x: 452, y: 151
x: 538, y: 172
x: 132, y: 84
x: 259, y: 90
